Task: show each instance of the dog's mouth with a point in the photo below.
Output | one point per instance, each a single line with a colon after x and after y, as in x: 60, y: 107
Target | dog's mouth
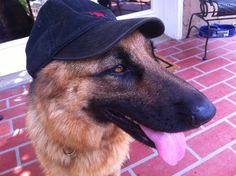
x: 170, y: 146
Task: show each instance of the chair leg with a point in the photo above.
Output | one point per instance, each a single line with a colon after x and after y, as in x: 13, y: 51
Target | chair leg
x: 118, y: 6
x: 206, y: 43
x: 190, y: 25
x: 141, y: 4
x: 109, y: 4
x: 205, y: 52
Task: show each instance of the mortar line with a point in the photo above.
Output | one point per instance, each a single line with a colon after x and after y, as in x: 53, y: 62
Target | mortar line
x: 13, y: 118
x: 226, y: 97
x: 209, y: 127
x: 193, y: 153
x: 15, y: 147
x: 18, y: 161
x: 201, y: 63
x: 14, y: 168
x: 232, y: 86
x: 206, y: 158
x: 139, y: 162
x: 131, y: 172
x: 230, y: 123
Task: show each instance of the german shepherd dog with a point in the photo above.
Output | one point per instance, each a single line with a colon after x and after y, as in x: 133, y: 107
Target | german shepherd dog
x: 82, y: 113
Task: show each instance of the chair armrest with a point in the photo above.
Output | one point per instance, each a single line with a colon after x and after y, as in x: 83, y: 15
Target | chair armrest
x: 206, y: 1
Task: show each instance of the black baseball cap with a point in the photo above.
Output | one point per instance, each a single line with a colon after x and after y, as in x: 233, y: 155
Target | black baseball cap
x: 79, y: 29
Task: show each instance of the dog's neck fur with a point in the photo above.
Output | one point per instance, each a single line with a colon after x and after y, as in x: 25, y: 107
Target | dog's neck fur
x: 58, y: 158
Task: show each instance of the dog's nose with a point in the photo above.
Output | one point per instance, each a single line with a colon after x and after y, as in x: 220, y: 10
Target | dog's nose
x: 202, y: 112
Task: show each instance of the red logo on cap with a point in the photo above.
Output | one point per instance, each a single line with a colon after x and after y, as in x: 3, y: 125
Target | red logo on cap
x: 98, y: 14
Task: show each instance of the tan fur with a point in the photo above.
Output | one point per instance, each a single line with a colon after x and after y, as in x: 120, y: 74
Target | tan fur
x: 57, y: 121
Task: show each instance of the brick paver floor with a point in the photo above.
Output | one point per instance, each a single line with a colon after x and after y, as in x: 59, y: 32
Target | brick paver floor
x: 211, y: 149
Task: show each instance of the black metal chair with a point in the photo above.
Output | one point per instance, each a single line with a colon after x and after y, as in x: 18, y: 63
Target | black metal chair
x: 119, y: 2
x: 212, y: 10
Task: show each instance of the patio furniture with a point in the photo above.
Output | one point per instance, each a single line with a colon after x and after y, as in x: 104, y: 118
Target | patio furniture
x: 119, y: 2
x: 212, y: 10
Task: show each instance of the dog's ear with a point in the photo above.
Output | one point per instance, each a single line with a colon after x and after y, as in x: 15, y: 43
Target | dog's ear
x: 53, y: 78
x: 149, y: 46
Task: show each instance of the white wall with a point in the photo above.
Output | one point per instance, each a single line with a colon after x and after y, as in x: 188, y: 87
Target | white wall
x: 12, y: 56
x: 171, y: 13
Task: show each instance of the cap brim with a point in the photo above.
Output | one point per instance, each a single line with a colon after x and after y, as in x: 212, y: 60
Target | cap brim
x: 103, y: 37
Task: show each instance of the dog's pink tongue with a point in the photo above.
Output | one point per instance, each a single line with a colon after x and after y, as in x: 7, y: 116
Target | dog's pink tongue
x: 170, y: 146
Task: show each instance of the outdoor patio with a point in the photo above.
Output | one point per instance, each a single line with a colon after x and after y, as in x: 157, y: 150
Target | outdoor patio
x: 211, y: 149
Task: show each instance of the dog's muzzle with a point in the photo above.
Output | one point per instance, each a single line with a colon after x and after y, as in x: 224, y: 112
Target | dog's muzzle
x: 202, y: 114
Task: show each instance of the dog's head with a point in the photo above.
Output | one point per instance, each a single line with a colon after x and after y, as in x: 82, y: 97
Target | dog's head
x: 128, y: 86
x: 134, y: 89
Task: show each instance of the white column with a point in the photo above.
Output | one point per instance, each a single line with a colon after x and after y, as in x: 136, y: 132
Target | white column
x: 171, y: 13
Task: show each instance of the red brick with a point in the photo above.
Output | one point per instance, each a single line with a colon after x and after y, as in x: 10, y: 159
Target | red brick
x: 215, y: 44
x: 15, y: 111
x: 222, y: 164
x: 189, y: 44
x: 156, y: 167
x: 188, y: 74
x: 234, y: 147
x: 233, y: 97
x: 167, y: 52
x: 214, y: 77
x: 7, y: 161
x: 212, y: 64
x: 218, y: 91
x: 27, y: 153
x: 19, y: 123
x: 232, y: 68
x: 216, y: 53
x: 231, y: 56
x: 5, y: 128
x: 126, y: 174
x: 13, y: 140
x: 167, y: 58
x: 231, y: 46
x: 3, y: 104
x: 193, y: 37
x: 137, y: 152
x: 211, y: 140
x: 232, y: 82
x: 170, y: 59
x: 188, y: 53
x: 165, y: 45
x: 233, y: 120
x: 11, y: 92
x: 189, y: 62
x: 18, y: 99
x: 27, y: 86
x: 190, y: 132
x: 197, y: 86
x: 223, y: 109
x: 33, y: 169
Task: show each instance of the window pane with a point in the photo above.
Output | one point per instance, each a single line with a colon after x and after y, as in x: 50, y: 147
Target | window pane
x: 16, y: 19
x: 123, y: 7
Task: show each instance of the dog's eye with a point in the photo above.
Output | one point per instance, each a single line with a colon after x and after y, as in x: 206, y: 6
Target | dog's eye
x: 118, y: 69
